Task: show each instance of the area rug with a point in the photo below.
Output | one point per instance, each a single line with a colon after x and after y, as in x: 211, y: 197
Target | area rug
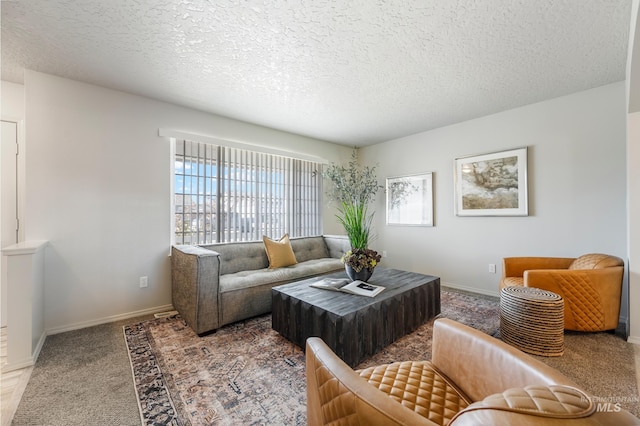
x: 246, y: 373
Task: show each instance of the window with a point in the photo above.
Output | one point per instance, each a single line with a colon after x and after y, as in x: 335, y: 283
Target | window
x: 228, y: 194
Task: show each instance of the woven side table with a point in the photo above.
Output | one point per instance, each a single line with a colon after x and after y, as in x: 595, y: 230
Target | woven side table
x: 532, y: 320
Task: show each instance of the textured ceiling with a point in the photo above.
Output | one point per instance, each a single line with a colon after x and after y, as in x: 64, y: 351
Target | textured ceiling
x: 352, y: 72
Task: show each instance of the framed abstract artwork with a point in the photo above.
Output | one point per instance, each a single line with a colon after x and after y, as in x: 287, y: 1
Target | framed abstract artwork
x: 410, y: 200
x: 492, y: 184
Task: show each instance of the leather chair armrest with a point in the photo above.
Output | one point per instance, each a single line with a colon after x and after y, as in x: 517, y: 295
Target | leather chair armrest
x: 501, y: 417
x: 515, y: 266
x: 546, y: 279
x: 539, y: 405
x: 481, y: 365
x: 606, y: 283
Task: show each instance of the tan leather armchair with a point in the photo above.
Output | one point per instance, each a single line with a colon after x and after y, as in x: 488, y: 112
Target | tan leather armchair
x: 472, y: 379
x: 591, y: 286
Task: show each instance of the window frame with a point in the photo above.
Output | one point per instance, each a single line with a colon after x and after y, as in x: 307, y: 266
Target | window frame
x: 293, y: 227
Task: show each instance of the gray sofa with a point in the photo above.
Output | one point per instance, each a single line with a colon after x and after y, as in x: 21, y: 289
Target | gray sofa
x: 217, y: 284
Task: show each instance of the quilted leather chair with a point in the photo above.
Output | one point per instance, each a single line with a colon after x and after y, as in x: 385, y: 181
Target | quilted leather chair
x: 591, y: 286
x: 472, y: 379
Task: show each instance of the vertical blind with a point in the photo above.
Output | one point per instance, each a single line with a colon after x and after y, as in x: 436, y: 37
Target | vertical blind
x: 227, y: 194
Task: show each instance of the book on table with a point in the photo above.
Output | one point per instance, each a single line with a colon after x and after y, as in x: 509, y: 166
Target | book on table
x: 344, y: 285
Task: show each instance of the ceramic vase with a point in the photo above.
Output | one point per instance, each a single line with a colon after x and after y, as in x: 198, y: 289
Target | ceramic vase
x: 363, y: 275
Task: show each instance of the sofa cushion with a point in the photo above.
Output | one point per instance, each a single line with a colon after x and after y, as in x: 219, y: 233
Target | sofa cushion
x: 307, y: 248
x: 246, y: 279
x: 240, y: 256
x: 279, y: 252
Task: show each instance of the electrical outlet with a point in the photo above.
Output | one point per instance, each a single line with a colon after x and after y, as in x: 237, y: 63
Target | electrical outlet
x: 144, y: 282
x: 492, y: 268
x: 384, y: 253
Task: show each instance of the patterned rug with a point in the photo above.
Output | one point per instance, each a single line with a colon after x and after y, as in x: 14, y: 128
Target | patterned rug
x: 246, y: 373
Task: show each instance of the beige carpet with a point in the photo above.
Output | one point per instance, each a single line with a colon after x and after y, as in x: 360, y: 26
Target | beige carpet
x: 603, y: 364
x: 82, y: 377
x: 247, y: 373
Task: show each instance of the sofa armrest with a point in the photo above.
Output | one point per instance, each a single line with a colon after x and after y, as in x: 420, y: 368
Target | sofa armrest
x: 195, y: 278
x: 481, y: 365
x: 515, y: 266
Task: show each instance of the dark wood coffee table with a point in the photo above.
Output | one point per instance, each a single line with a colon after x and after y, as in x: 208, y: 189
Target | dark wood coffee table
x: 356, y: 327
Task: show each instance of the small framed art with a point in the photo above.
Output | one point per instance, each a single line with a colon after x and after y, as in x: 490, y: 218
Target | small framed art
x: 492, y: 184
x: 410, y: 200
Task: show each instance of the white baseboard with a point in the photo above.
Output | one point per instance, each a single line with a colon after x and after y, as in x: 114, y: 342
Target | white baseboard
x: 38, y: 348
x: 23, y: 363
x: 28, y: 361
x: 105, y: 320
x: 471, y: 289
x: 634, y: 339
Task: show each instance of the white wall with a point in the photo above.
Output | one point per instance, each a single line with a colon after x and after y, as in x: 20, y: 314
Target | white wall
x: 11, y: 109
x: 633, y: 172
x: 633, y: 159
x: 98, y: 189
x: 97, y: 178
x: 577, y: 188
x: 12, y: 104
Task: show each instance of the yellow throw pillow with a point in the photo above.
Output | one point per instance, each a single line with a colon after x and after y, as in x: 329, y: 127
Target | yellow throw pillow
x: 279, y: 252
